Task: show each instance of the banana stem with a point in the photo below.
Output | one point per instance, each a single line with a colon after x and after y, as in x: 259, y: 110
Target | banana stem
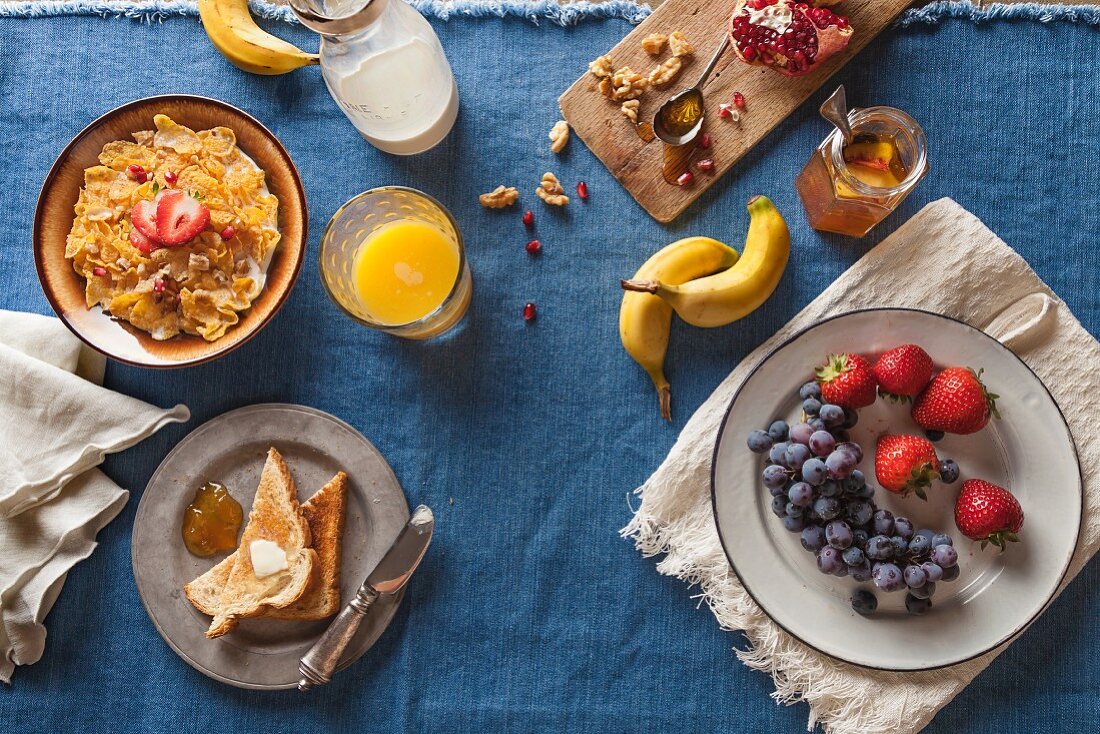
x: 640, y: 286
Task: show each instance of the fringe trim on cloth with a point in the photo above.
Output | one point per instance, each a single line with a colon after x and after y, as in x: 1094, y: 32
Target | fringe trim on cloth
x: 539, y: 10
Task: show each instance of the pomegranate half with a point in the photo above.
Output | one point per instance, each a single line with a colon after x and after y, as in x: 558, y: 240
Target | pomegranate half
x: 794, y: 38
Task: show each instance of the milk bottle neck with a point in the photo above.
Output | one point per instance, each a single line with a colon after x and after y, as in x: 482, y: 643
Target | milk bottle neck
x: 340, y: 19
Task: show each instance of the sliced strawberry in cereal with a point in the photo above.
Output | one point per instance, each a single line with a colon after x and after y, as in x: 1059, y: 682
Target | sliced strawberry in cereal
x: 180, y: 218
x: 144, y: 218
x: 141, y: 242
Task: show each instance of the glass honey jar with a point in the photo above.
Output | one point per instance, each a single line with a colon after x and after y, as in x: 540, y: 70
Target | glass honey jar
x: 849, y: 188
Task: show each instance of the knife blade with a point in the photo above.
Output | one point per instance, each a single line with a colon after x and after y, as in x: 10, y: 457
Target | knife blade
x: 388, y: 577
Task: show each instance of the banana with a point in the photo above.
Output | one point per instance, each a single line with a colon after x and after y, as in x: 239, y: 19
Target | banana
x: 232, y: 30
x: 644, y: 320
x: 735, y: 293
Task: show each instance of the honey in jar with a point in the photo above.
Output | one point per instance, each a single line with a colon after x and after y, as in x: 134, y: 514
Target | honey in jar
x: 848, y: 189
x: 212, y: 520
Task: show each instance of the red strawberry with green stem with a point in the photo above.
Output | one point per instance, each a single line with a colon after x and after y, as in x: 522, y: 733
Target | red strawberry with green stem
x: 955, y: 401
x: 905, y: 464
x: 988, y: 513
x: 847, y: 380
x: 903, y: 372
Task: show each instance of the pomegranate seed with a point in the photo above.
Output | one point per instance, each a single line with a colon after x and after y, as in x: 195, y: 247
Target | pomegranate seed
x: 749, y: 53
x: 136, y: 172
x: 725, y: 110
x: 228, y: 233
x: 529, y: 218
x: 170, y: 178
x: 99, y: 272
x: 529, y: 312
x: 704, y: 142
x: 685, y: 178
x: 706, y: 165
x: 739, y: 100
x: 533, y: 247
x: 582, y: 191
x: 158, y: 286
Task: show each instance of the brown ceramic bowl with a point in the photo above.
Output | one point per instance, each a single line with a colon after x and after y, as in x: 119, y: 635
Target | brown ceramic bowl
x: 53, y: 219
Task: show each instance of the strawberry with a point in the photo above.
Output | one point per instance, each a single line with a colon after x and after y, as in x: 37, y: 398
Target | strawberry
x: 144, y: 218
x: 988, y: 513
x: 903, y: 372
x: 847, y: 380
x: 955, y: 401
x: 180, y: 218
x: 141, y: 242
x: 905, y: 464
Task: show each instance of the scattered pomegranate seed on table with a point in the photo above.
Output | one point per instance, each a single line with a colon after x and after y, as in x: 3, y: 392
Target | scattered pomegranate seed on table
x: 739, y: 100
x: 725, y: 110
x: 98, y: 271
x: 228, y: 233
x: 685, y: 178
x: 706, y: 165
x: 529, y: 312
x: 582, y: 191
x: 136, y: 172
x: 705, y: 141
x: 528, y: 218
x: 533, y: 247
x: 170, y: 177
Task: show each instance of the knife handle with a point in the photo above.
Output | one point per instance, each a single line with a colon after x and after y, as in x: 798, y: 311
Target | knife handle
x: 318, y: 665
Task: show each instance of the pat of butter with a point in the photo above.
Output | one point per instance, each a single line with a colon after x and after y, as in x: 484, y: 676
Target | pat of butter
x: 267, y: 558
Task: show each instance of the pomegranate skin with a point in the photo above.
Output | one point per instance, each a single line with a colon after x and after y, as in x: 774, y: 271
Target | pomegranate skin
x: 813, y: 35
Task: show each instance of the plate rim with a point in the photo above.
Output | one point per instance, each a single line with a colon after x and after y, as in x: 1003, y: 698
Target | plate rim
x: 392, y: 611
x: 55, y: 168
x: 1017, y: 630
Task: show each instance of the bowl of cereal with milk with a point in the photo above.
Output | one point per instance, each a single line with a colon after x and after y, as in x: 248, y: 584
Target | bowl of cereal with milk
x: 170, y: 231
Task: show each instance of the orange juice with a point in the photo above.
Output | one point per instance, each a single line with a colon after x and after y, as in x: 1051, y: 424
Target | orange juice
x: 404, y: 271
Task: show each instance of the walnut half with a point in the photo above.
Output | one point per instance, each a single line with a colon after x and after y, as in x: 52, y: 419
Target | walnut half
x: 550, y: 190
x: 630, y: 109
x: 663, y: 74
x: 624, y: 84
x: 679, y: 45
x: 654, y: 43
x: 499, y: 197
x: 601, y: 68
x: 559, y: 136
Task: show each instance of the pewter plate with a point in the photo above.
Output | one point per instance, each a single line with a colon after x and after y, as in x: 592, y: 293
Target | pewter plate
x: 1029, y: 450
x: 231, y: 449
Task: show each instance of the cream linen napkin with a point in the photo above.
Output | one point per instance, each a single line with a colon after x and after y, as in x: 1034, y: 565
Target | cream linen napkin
x: 977, y: 279
x: 55, y: 426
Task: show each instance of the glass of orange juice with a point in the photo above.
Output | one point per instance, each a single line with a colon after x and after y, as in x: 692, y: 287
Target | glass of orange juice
x: 392, y: 258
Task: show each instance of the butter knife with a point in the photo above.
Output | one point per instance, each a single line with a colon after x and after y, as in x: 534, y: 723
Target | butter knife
x: 388, y: 577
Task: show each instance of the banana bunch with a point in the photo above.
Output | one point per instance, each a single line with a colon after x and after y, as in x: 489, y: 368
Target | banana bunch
x: 705, y: 283
x: 232, y: 30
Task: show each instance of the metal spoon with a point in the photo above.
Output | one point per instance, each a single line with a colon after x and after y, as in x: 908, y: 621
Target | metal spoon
x: 835, y: 110
x: 696, y: 91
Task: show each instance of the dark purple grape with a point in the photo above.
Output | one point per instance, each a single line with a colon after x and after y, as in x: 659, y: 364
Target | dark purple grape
x: 779, y: 505
x: 853, y: 448
x: 887, y: 576
x: 826, y: 508
x: 941, y: 539
x: 949, y: 471
x: 817, y: 424
x: 810, y: 390
x: 883, y: 522
x: 851, y: 418
x: 903, y: 527
x: 794, y: 510
x: 944, y: 555
x: 879, y: 548
x: 864, y: 602
x: 865, y: 492
x: 859, y: 512
x: 932, y: 571
x: 920, y: 545
x: 833, y: 415
x: 759, y: 442
x: 934, y: 436
x: 926, y: 533
x: 810, y: 406
x: 916, y: 605
x: 778, y: 452
x: 842, y: 571
x: 774, y: 476
x: 829, y: 488
x: 838, y: 534
x: 822, y: 443
x: 778, y: 430
x: 800, y: 433
x: 840, y: 464
x: 801, y: 494
x: 776, y: 491
x: 813, y: 471
x: 900, y: 546
x: 795, y: 456
x: 828, y: 560
x: 859, y: 538
x: 813, y: 538
x: 841, y: 435
x: 862, y: 572
x: 794, y: 524
x: 853, y: 556
x: 950, y: 574
x: 914, y: 576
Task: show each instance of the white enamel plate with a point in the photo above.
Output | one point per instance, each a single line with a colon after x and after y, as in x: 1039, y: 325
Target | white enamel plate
x: 1029, y: 450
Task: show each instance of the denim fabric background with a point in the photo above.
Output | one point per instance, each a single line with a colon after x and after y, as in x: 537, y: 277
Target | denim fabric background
x: 530, y: 614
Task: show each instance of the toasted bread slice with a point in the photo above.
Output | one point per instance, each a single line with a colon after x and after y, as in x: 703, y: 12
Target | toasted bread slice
x: 275, y: 517
x: 324, y: 512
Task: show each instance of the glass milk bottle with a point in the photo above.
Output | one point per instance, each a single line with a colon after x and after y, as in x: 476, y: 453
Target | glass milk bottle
x: 385, y: 67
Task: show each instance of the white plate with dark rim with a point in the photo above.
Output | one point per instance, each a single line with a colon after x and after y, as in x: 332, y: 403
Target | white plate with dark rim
x: 1029, y: 450
x: 231, y: 449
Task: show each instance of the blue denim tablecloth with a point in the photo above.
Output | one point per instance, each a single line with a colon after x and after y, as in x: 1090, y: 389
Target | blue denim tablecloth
x: 530, y: 614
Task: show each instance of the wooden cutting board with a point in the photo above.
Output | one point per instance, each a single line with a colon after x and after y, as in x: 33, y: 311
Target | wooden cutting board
x: 770, y: 97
